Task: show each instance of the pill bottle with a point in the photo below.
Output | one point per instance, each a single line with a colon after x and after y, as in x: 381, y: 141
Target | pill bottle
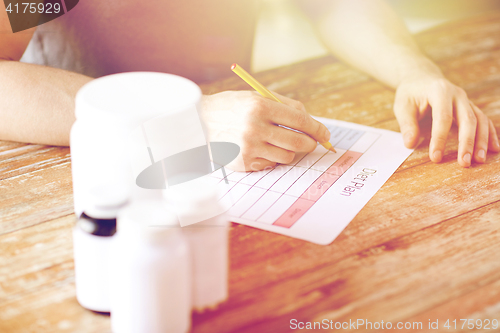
x: 150, y: 272
x: 107, y: 111
x: 206, y: 228
x: 92, y: 236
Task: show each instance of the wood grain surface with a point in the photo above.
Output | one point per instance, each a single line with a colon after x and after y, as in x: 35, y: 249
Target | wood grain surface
x: 425, y: 247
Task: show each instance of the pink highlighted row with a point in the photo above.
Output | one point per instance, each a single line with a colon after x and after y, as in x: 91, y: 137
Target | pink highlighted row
x: 317, y: 189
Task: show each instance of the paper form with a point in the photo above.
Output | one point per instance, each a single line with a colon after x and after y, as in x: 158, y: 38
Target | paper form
x: 316, y: 196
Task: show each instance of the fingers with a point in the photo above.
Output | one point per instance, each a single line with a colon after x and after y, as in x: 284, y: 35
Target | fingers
x: 482, y: 135
x: 268, y: 157
x: 258, y: 164
x: 485, y: 139
x: 293, y: 114
x: 263, y: 143
x: 476, y: 133
x: 442, y: 118
x: 255, y: 164
x: 407, y: 115
x: 276, y: 154
x: 467, y: 126
x: 493, y: 145
x: 290, y: 140
x: 256, y: 152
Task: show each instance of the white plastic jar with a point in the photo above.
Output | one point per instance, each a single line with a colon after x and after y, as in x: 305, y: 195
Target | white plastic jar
x: 206, y: 228
x: 92, y: 237
x: 150, y: 272
x: 108, y: 110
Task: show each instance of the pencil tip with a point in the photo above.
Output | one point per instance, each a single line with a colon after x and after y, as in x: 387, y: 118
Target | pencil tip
x: 328, y: 146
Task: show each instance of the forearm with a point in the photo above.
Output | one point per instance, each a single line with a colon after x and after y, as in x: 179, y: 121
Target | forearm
x: 370, y: 36
x: 37, y: 103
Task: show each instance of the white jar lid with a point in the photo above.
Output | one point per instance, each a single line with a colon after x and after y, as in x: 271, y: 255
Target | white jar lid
x: 134, y: 97
x: 104, y: 201
x: 149, y: 219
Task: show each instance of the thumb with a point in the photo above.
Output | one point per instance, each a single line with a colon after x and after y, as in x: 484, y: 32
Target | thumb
x: 407, y: 115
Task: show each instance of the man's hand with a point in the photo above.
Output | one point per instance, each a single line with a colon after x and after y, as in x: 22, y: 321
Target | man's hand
x: 422, y: 93
x: 369, y: 35
x: 251, y: 121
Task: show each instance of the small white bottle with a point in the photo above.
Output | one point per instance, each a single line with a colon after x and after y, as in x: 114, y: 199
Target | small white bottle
x: 92, y: 237
x: 206, y: 228
x: 150, y: 272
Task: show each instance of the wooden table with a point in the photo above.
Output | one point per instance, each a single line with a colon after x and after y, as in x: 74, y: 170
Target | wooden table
x: 427, y: 246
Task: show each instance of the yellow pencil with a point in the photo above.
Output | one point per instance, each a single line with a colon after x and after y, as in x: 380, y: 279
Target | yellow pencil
x: 266, y: 93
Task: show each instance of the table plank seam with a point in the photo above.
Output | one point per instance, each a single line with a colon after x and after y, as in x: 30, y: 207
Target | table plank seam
x: 371, y: 247
x: 63, y: 161
x: 452, y: 298
x: 34, y: 225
